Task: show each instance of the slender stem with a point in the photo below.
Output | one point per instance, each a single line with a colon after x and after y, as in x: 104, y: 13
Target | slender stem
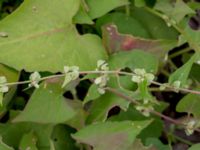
x: 130, y: 99
x: 164, y: 72
x: 105, y: 72
x: 172, y: 64
x: 182, y: 140
x: 157, y: 89
x: 187, y: 49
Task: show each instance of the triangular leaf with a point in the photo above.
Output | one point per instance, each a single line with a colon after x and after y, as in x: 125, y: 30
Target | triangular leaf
x: 47, y: 105
x: 96, y: 8
x: 110, y: 135
x: 190, y: 103
x: 182, y: 73
x: 45, y: 39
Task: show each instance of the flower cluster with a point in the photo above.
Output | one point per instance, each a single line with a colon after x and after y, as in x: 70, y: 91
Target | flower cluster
x: 190, y: 126
x: 3, y: 87
x: 141, y: 75
x: 101, y: 81
x: 71, y: 73
x: 145, y: 109
x: 35, y: 79
x: 143, y: 79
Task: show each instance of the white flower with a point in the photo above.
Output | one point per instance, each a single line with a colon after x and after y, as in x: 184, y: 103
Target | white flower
x: 145, y: 110
x: 3, y: 88
x: 190, y: 127
x: 35, y: 79
x: 101, y: 90
x: 102, y: 65
x: 141, y: 75
x: 139, y: 71
x: 176, y: 84
x: 150, y: 77
x: 101, y: 82
x: 137, y: 79
x: 98, y: 80
x: 71, y: 73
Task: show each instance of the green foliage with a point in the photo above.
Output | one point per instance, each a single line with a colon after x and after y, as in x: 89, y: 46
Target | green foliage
x: 45, y: 38
x: 194, y: 147
x: 42, y: 110
x: 190, y: 103
x: 107, y: 135
x: 93, y: 74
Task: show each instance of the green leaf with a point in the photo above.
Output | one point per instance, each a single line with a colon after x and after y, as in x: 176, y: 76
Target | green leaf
x: 4, y: 146
x: 47, y: 105
x: 138, y: 145
x: 46, y: 39
x: 92, y: 93
x: 97, y: 8
x: 103, y: 104
x: 78, y: 121
x: 115, y: 42
x: 182, y: 73
x: 12, y: 133
x: 195, y: 147
x: 10, y: 74
x: 123, y: 22
x: 156, y: 27
x: 110, y: 135
x: 175, y: 11
x: 157, y: 143
x: 82, y: 17
x: 132, y: 114
x: 62, y: 139
x: 134, y: 59
x: 140, y: 3
x: 190, y: 104
x: 28, y: 141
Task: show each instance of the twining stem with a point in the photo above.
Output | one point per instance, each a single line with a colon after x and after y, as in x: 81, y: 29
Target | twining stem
x: 187, y: 49
x: 182, y: 140
x: 172, y: 64
x: 106, y: 72
x: 131, y: 100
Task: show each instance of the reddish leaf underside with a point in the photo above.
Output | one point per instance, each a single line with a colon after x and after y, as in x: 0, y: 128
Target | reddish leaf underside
x: 115, y: 41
